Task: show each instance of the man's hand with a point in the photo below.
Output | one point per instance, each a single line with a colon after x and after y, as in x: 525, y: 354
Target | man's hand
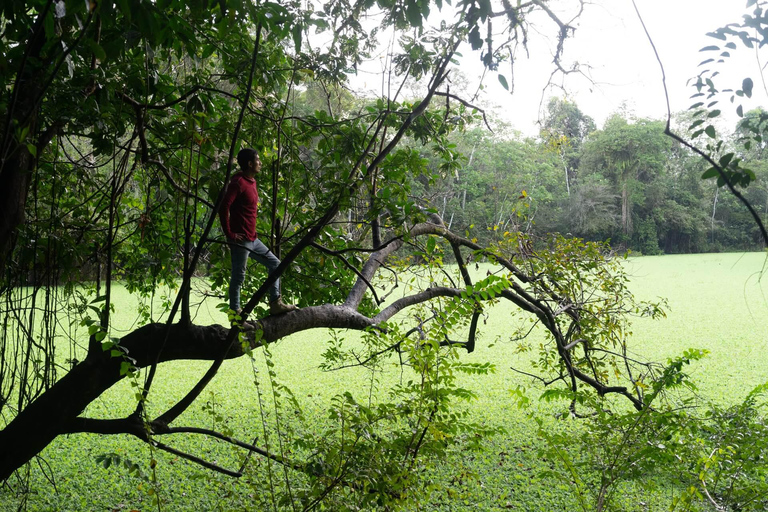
x: 239, y: 237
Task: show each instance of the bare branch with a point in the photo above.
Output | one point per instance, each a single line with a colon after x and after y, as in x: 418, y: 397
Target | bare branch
x: 539, y: 378
x: 166, y: 172
x: 196, y: 460
x: 349, y: 266
x: 468, y: 105
x: 236, y: 442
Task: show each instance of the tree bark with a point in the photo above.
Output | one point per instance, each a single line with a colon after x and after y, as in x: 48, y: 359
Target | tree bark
x: 626, y: 210
x: 53, y: 413
x: 16, y: 162
x: 14, y: 184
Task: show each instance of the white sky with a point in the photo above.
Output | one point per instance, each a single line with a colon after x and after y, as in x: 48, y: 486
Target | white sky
x: 610, y: 39
x: 626, y: 68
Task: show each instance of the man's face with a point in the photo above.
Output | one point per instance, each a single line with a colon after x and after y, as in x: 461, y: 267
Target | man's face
x: 254, y: 166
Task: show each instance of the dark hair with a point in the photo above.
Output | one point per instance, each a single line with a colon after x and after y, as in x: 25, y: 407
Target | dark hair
x: 246, y: 155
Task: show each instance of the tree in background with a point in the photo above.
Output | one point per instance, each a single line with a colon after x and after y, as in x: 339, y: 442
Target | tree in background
x: 500, y: 185
x: 564, y: 129
x: 632, y: 155
x: 727, y: 158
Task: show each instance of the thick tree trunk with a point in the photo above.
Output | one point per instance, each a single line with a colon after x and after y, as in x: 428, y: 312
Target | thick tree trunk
x: 47, y: 417
x: 16, y: 162
x: 14, y: 183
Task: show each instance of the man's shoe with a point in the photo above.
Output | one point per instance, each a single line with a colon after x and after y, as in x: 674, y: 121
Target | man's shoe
x: 278, y: 307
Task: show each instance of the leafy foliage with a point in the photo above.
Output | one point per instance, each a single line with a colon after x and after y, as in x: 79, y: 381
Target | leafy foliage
x: 120, y: 125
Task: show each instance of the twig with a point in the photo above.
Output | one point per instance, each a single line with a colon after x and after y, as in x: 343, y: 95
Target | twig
x: 349, y: 266
x: 236, y: 442
x: 668, y: 132
x: 543, y: 381
x: 468, y: 105
x: 166, y: 172
x: 196, y: 460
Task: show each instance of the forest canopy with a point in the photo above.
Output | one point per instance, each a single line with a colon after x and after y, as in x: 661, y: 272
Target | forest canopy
x: 120, y: 126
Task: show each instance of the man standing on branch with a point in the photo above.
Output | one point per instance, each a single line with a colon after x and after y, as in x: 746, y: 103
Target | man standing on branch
x: 238, y: 220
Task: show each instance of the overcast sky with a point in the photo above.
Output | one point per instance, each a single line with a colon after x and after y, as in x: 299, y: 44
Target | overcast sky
x: 611, y: 40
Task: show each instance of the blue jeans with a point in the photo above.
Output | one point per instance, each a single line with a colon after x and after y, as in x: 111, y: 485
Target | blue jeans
x: 240, y: 252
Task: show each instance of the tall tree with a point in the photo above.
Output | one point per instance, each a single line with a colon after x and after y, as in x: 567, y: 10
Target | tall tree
x: 564, y: 129
x: 632, y: 154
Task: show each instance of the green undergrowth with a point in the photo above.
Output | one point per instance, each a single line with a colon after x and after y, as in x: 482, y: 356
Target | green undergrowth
x: 716, y: 304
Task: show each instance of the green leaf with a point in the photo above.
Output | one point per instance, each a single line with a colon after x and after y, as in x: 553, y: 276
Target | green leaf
x: 296, y: 33
x: 97, y: 50
x: 208, y: 50
x: 125, y: 8
x: 474, y: 38
x: 424, y: 4
x: 746, y: 86
x: 710, y: 48
x: 746, y: 179
x: 740, y: 111
x: 431, y: 245
x: 726, y: 159
x: 710, y: 173
x: 710, y: 131
x: 717, y: 35
x: 503, y: 82
x: 714, y: 113
x: 413, y: 14
x: 22, y: 134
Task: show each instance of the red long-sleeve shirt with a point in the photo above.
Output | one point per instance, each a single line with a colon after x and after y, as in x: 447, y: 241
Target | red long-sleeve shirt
x: 240, y: 207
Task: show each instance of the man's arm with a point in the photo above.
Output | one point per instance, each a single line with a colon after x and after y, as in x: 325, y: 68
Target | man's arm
x: 229, y: 198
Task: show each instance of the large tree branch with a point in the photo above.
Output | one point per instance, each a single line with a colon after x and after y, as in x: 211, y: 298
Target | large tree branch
x: 520, y: 296
x: 55, y: 412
